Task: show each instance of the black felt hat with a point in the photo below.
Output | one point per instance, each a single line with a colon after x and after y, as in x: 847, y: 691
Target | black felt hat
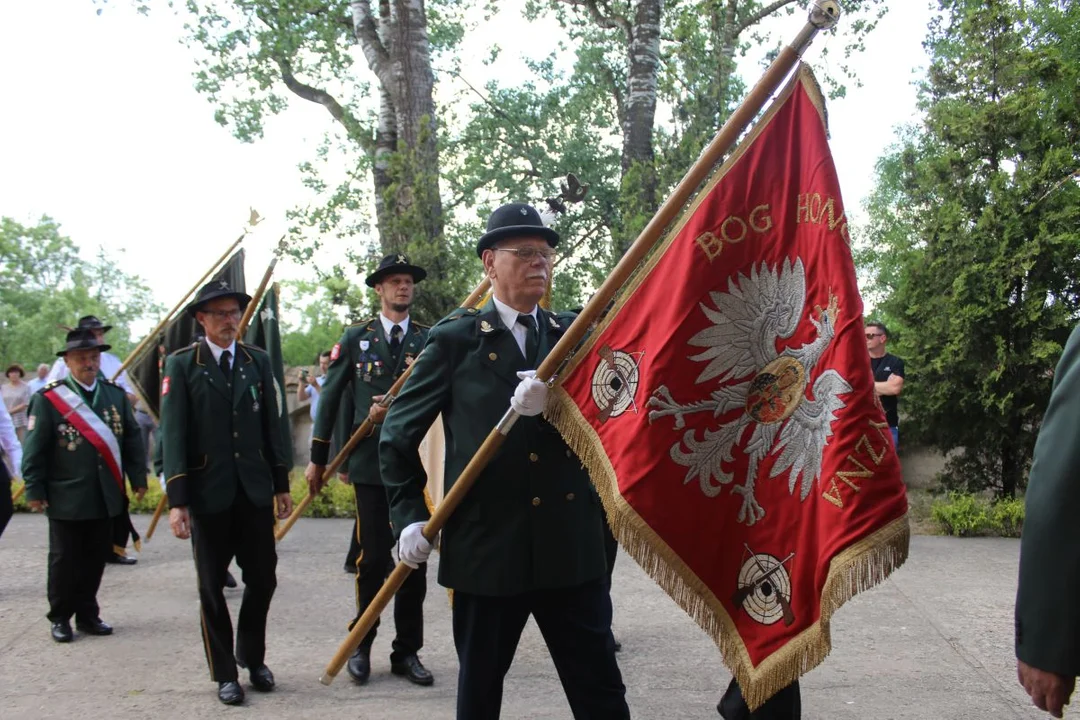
x: 392, y: 265
x: 515, y: 220
x: 213, y: 291
x: 90, y: 322
x: 82, y: 339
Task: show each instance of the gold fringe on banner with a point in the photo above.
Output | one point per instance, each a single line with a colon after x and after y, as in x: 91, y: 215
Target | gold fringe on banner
x: 859, y: 567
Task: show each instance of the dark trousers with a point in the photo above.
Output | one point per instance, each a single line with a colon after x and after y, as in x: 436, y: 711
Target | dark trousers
x: 375, y: 563
x: 122, y: 529
x: 78, y: 550
x: 353, y: 555
x: 784, y: 705
x: 576, y: 625
x: 245, y: 532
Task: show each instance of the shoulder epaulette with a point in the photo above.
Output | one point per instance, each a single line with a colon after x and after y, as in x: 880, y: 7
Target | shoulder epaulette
x: 361, y: 322
x: 53, y: 384
x: 183, y: 350
x: 107, y: 381
x: 458, y: 314
x: 250, y: 347
x: 422, y: 326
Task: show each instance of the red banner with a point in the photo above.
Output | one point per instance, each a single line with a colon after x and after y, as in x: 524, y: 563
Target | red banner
x: 725, y: 408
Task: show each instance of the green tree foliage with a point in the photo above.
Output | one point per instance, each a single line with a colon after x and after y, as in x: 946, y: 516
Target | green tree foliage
x: 370, y: 66
x: 44, y: 285
x: 312, y: 316
x: 974, y: 234
x: 586, y: 121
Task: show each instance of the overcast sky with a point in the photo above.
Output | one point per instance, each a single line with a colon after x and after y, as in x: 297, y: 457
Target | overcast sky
x: 102, y: 130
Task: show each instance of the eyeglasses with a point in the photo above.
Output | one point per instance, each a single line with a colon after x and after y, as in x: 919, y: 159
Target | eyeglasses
x: 528, y: 254
x: 223, y: 314
x: 871, y: 336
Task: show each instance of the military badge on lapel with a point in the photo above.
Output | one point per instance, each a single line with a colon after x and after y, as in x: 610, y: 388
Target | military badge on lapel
x: 485, y: 326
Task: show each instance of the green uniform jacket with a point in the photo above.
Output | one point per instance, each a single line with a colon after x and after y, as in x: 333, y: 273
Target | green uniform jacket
x: 1047, y: 613
x: 532, y: 521
x: 214, y: 436
x: 361, y: 366
x: 61, y: 467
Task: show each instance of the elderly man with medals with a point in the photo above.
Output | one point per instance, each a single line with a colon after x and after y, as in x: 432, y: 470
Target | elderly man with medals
x: 363, y: 365
x: 224, y: 464
x: 82, y: 439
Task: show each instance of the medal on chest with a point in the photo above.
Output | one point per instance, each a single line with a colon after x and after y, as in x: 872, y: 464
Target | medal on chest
x: 68, y: 437
x: 254, y: 398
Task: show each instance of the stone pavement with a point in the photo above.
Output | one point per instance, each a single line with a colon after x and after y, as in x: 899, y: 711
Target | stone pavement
x: 932, y: 643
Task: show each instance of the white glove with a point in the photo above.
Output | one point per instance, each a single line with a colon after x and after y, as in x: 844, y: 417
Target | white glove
x: 530, y: 395
x: 161, y: 479
x: 413, y: 547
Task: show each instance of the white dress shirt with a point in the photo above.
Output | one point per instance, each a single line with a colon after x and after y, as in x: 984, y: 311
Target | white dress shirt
x: 216, y: 352
x: 9, y: 441
x: 509, y: 317
x: 388, y: 325
x: 109, y: 365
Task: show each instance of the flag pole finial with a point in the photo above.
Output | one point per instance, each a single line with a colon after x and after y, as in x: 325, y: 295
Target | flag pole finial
x: 824, y: 15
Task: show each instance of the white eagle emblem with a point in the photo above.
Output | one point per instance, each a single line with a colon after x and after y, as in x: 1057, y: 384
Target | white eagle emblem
x: 767, y: 385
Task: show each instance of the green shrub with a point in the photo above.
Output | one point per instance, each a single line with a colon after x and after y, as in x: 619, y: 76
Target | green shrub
x: 336, y: 499
x: 1007, y: 517
x: 960, y: 514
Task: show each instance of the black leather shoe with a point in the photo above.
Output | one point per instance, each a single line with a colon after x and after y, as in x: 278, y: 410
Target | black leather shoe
x: 351, y: 569
x: 93, y: 627
x: 359, y: 665
x: 230, y: 581
x: 262, y: 679
x: 618, y: 645
x: 230, y: 693
x: 61, y: 631
x: 413, y: 670
x: 121, y: 560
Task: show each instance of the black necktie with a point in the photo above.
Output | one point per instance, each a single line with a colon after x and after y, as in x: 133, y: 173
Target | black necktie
x: 532, y: 338
x: 223, y: 363
x: 395, y: 341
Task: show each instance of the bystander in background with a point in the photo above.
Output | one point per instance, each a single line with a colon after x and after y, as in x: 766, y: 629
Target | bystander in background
x: 888, y: 376
x: 16, y: 398
x: 41, y: 379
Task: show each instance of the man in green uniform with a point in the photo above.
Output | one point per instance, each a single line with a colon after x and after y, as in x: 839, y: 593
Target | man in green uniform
x: 527, y: 539
x: 363, y: 366
x: 82, y: 440
x: 224, y: 462
x: 1047, y: 618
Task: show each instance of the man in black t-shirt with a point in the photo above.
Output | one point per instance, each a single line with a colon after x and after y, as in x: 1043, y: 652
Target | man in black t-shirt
x: 888, y: 376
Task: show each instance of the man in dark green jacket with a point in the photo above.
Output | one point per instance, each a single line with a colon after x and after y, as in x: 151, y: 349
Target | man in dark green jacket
x: 82, y: 439
x: 1047, y: 617
x: 527, y: 539
x: 363, y: 365
x: 224, y: 462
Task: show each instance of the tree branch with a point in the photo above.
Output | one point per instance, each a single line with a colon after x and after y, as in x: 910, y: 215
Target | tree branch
x: 315, y: 95
x: 611, y: 21
x: 762, y: 14
x: 367, y: 35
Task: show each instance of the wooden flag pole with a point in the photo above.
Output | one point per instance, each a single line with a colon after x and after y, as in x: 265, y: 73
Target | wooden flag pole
x: 823, y: 15
x: 157, y: 516
x: 366, y: 427
x: 18, y: 493
x: 256, y: 299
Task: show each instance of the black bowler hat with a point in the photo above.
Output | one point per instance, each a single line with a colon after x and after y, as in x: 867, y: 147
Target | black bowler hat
x: 213, y: 291
x: 90, y: 322
x: 515, y: 220
x: 82, y: 339
x: 392, y: 265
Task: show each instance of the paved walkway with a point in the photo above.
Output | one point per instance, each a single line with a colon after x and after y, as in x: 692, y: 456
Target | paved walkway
x: 932, y: 643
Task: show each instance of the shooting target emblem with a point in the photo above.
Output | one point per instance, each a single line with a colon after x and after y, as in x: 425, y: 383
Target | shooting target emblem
x: 765, y: 588
x: 615, y: 382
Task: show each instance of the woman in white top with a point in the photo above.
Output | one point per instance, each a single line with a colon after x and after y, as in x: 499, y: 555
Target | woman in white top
x: 13, y: 456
